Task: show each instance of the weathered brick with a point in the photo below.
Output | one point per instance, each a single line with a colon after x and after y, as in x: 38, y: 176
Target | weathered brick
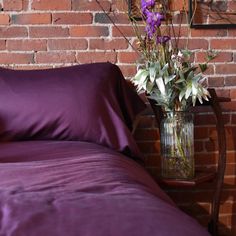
x: 216, y: 81
x: 233, y: 93
x: 12, y: 5
x: 89, y: 31
x: 230, y: 80
x: 4, y: 19
x: 2, y: 44
x: 67, y: 44
x: 13, y: 32
x: 176, y: 5
x: 72, y: 18
x: 200, y: 33
x: 85, y: 5
x: 229, y: 106
x: 113, y: 18
x: 51, y: 5
x: 108, y: 44
x: 127, y: 57
x: 26, y: 5
x: 128, y: 70
x: 128, y: 31
x: 226, y: 69
x: 194, y: 44
x: 27, y: 45
x: 89, y: 57
x: 228, y: 44
x: 31, y: 19
x: 16, y: 58
x: 55, y: 57
x: 48, y: 32
x: 200, y: 57
x: 146, y: 134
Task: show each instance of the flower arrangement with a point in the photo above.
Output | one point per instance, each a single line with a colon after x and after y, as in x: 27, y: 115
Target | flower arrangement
x: 167, y: 74
x: 169, y: 78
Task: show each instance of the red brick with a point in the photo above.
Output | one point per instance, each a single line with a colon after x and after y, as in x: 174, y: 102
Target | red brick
x: 177, y: 5
x: 222, y: 93
x: 16, y: 58
x: 228, y: 44
x: 26, y: 4
x: 198, y: 146
x: 4, y: 19
x: 179, y: 18
x: 226, y: 69
x: 108, y: 44
x: 89, y: 57
x: 127, y: 57
x: 55, y: 57
x: 111, y: 18
x: 51, y: 5
x: 232, y: 5
x: 229, y: 106
x: 89, y: 31
x: 128, y: 70
x: 2, y: 44
x: 32, y: 67
x: 146, y: 135
x: 147, y: 147
x: 194, y: 44
x: 72, y: 18
x: 233, y: 119
x: 204, y: 158
x: 176, y: 33
x: 231, y: 33
x: 216, y: 81
x: 200, y: 57
x: 31, y: 19
x: 85, y: 5
x: 152, y: 161
x: 231, y: 157
x: 12, y: 5
x: 200, y: 132
x: 67, y: 44
x: 204, y: 119
x: 230, y: 80
x: 48, y: 32
x: 13, y: 32
x: 119, y: 5
x: 27, y: 45
x: 146, y: 122
x: 128, y: 31
x: 200, y: 33
x: 230, y: 169
x: 233, y: 94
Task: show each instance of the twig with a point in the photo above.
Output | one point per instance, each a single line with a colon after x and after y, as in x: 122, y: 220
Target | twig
x: 111, y: 20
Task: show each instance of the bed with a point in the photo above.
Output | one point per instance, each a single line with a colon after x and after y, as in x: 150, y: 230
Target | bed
x: 68, y: 162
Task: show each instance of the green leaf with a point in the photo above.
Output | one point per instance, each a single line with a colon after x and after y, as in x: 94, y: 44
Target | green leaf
x: 169, y: 78
x: 203, y: 67
x: 181, y: 95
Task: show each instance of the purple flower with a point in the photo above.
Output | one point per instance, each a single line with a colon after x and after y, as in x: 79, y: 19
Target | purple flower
x: 153, y: 21
x: 162, y: 39
x: 145, y: 4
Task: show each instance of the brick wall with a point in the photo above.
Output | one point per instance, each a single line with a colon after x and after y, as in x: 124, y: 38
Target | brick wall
x: 49, y: 33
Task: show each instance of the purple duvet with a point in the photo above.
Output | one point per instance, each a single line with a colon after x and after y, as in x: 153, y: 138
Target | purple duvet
x: 76, y: 188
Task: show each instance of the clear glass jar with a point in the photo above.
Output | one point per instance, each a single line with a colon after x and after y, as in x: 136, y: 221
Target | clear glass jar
x: 177, y: 145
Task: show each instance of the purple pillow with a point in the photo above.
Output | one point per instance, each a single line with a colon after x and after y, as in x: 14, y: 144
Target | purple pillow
x: 90, y: 102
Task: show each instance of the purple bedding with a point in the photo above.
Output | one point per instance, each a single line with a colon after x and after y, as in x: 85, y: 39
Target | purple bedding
x: 82, y: 189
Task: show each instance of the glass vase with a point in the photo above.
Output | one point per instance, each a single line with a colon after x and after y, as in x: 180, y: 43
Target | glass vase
x: 177, y: 145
